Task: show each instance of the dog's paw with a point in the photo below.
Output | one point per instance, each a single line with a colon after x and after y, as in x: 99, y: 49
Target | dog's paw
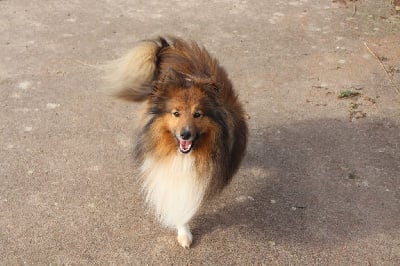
x: 184, y: 237
x: 185, y: 240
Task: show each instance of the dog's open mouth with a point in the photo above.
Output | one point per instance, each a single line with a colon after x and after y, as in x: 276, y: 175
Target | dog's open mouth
x: 185, y: 146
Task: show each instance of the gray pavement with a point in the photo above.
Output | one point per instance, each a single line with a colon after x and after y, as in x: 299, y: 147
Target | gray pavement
x: 320, y: 184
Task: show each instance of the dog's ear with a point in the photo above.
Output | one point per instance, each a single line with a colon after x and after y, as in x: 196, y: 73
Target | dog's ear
x: 212, y: 89
x: 180, y: 79
x: 163, y: 42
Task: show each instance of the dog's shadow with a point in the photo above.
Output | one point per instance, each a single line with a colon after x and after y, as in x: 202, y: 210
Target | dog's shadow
x: 318, y: 180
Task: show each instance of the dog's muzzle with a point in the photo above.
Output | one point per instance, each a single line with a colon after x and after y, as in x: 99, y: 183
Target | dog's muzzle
x: 185, y: 140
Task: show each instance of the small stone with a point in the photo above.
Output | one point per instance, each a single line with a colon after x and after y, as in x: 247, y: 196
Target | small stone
x: 28, y: 129
x: 52, y: 105
x: 24, y: 85
x: 241, y: 198
x: 352, y: 176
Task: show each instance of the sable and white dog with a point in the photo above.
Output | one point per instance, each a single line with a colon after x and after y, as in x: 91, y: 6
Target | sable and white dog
x: 194, y: 133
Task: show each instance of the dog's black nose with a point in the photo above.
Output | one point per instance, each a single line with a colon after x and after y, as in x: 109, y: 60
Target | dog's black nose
x: 185, y: 134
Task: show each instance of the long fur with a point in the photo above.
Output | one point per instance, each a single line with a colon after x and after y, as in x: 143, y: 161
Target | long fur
x: 173, y: 188
x: 194, y: 134
x: 131, y: 76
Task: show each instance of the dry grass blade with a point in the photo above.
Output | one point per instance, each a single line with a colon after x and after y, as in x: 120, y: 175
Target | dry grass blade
x: 384, y: 68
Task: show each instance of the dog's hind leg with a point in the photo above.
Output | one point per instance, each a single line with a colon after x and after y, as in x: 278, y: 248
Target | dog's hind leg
x: 184, y: 236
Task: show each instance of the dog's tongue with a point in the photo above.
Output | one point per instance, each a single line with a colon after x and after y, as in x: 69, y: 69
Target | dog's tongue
x: 185, y: 144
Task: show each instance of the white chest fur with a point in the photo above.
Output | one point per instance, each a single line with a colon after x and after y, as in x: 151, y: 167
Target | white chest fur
x: 172, y: 188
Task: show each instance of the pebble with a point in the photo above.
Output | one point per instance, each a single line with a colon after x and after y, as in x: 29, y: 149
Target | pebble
x: 52, y: 105
x: 28, y: 129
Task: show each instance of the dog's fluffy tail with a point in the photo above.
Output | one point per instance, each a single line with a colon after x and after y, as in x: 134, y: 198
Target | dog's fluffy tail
x: 131, y: 76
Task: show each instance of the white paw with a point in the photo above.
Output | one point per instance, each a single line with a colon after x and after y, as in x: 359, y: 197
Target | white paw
x: 185, y: 240
x: 184, y: 236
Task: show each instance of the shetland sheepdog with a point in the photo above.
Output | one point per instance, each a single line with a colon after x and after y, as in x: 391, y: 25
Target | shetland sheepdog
x: 193, y: 134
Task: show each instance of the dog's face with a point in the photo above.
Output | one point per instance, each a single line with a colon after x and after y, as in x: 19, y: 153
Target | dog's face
x: 187, y: 117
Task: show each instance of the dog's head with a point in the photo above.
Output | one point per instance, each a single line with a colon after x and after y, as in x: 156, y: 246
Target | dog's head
x: 187, y: 114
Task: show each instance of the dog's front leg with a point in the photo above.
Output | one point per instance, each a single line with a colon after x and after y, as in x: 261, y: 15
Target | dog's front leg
x: 184, y: 236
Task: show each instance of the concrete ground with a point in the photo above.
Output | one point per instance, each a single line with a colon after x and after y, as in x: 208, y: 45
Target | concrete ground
x: 320, y: 184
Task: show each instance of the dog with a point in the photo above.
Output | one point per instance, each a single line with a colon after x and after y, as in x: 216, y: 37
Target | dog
x: 193, y: 134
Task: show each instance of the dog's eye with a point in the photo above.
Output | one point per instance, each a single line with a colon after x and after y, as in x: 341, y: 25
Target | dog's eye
x: 176, y: 114
x: 196, y: 114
